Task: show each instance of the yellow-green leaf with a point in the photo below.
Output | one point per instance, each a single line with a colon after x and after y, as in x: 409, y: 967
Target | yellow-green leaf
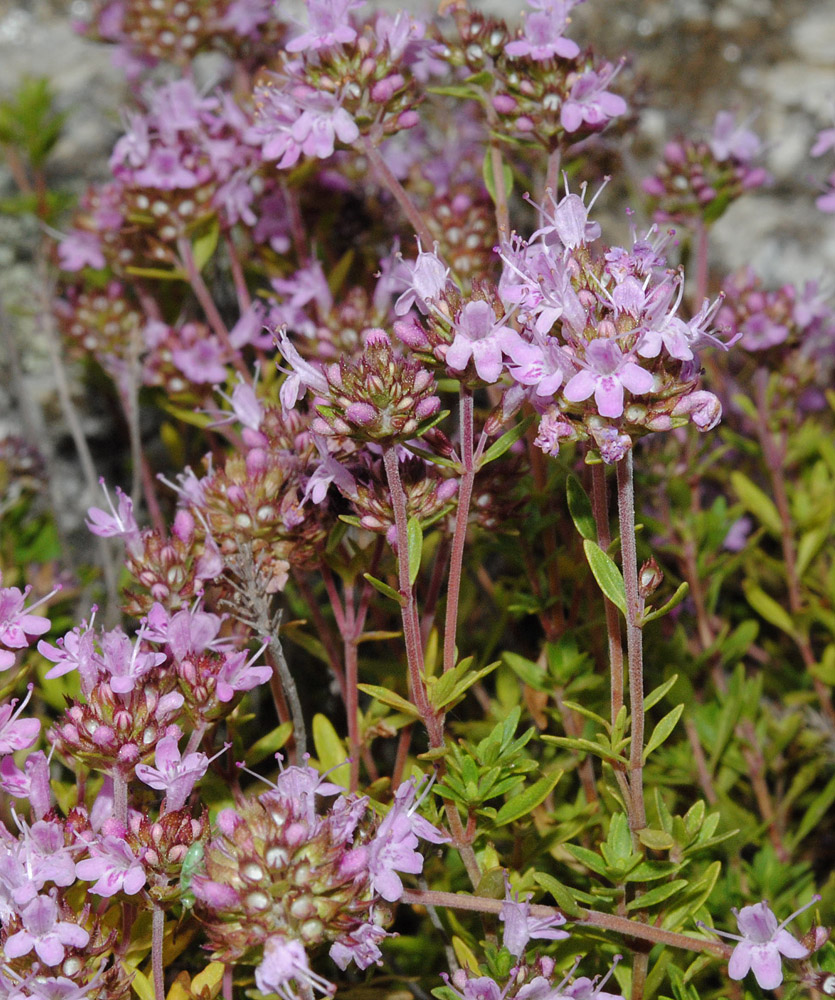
x: 606, y: 573
x: 390, y: 698
x: 526, y: 801
x: 758, y: 503
x: 330, y: 750
x: 766, y: 606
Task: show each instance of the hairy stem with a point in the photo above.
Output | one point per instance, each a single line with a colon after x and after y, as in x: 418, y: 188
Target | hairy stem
x: 774, y: 454
x: 600, y: 507
x: 207, y: 304
x: 398, y: 192
x: 120, y: 800
x: 456, y: 560
x: 411, y: 624
x: 588, y: 918
x: 157, y: 967
x: 701, y: 262
x: 634, y: 639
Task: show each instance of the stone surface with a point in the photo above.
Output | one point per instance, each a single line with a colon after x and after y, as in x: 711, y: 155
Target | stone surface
x: 772, y: 60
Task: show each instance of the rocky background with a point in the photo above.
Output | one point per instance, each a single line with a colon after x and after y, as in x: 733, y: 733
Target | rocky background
x: 772, y: 60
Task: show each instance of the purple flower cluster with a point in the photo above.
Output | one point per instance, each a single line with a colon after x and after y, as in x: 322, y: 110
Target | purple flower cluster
x: 591, y: 338
x: 339, y: 853
x: 697, y: 180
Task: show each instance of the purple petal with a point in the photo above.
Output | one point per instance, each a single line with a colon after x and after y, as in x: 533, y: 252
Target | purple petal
x: 50, y: 950
x: 636, y: 379
x: 609, y: 396
x: 740, y: 961
x: 766, y: 966
x: 788, y: 945
x: 580, y: 387
x: 18, y: 944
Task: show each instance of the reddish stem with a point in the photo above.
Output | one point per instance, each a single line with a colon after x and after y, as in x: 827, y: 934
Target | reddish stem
x: 459, y: 538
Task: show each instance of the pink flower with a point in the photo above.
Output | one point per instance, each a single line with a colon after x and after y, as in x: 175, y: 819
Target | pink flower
x: 730, y: 141
x: 174, y: 774
x: 285, y: 961
x: 360, y: 946
x: 590, y: 102
x: 395, y: 846
x: 16, y: 733
x: 304, y: 121
x: 45, y: 933
x: 123, y: 663
x: 112, y: 866
x: 32, y: 784
x: 118, y: 523
x: 238, y: 674
x: 520, y: 926
x: 480, y: 336
x: 426, y: 278
x: 74, y: 651
x: 543, y: 36
x: 80, y: 249
x: 607, y: 373
x: 329, y: 25
x: 762, y: 943
x: 18, y: 623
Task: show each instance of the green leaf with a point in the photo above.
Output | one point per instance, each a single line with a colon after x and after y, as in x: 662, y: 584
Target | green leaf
x: 809, y: 546
x: 465, y: 956
x: 191, y: 417
x: 451, y: 686
x: 766, y: 606
x: 606, y: 573
x: 525, y: 802
x: 561, y: 893
x: 333, y: 757
x: 754, y: 500
x: 142, y: 985
x: 814, y: 814
x: 527, y: 671
x: 270, y: 743
x: 588, y: 858
x: 579, y: 506
x: 662, y: 731
x: 737, y: 644
x: 693, y: 899
x: 463, y: 90
x: 656, y: 840
x: 674, y: 601
x: 415, y: 536
x: 204, y: 245
x: 338, y: 273
x: 385, y: 589
x: 390, y: 698
x: 172, y: 274
x: 657, y: 895
x: 506, y: 441
x: 489, y: 177
x: 658, y: 693
x: 586, y: 746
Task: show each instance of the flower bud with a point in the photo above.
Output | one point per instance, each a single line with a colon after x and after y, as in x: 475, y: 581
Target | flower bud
x: 649, y: 578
